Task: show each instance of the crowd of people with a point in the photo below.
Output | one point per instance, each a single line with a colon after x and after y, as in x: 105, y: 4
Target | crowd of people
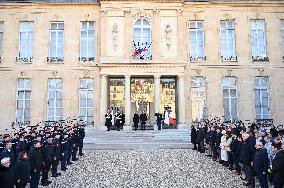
x: 251, y: 152
x: 27, y: 156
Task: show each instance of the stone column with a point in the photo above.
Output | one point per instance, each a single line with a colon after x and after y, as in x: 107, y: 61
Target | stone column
x: 157, y: 92
x: 181, y: 102
x: 157, y: 96
x: 127, y: 103
x: 103, y: 101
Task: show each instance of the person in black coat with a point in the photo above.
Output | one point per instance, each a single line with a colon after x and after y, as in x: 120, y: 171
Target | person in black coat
x: 47, y: 151
x: 108, y: 117
x: 64, y: 151
x: 35, y: 158
x: 8, y: 152
x: 81, y: 140
x: 56, y: 155
x: 261, y: 164
x: 200, y: 138
x: 22, y: 170
x: 193, y: 137
x: 159, y: 120
x: 143, y: 119
x: 278, y: 169
x: 235, y: 150
x: 7, y: 177
x: 118, y: 122
x: 136, y: 121
x: 21, y: 145
x: 247, y: 151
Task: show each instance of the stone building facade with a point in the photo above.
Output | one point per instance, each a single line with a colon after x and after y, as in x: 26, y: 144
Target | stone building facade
x: 202, y: 59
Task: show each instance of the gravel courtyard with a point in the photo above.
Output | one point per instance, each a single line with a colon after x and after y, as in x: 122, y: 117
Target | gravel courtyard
x: 149, y: 168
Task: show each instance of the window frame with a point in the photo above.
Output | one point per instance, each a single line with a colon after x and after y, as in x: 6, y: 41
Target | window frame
x: 199, y: 90
x: 54, y: 106
x: 260, y: 88
x: 20, y: 58
x: 86, y: 90
x: 56, y: 59
x: 227, y: 29
x: 1, y: 39
x: 230, y: 97
x: 259, y: 56
x: 88, y: 58
x: 141, y: 27
x: 196, y: 29
x: 25, y: 90
x: 282, y: 37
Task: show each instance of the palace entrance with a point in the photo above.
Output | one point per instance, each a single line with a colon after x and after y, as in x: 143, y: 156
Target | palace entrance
x: 142, y: 98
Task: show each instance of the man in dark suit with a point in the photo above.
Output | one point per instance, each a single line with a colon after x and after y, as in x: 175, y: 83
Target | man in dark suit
x: 143, y: 119
x: 108, y: 117
x: 135, y: 120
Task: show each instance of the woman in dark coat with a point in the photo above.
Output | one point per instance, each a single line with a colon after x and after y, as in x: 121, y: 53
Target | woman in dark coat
x: 7, y: 178
x: 193, y: 137
x: 22, y: 170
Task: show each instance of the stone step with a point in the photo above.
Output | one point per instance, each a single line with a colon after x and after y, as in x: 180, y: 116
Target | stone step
x: 136, y: 140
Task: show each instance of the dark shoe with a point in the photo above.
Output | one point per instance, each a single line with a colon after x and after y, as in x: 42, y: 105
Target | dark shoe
x: 81, y: 155
x: 53, y: 175
x: 45, y: 184
x: 69, y: 163
x: 75, y: 159
x: 64, y: 169
x: 58, y: 174
x: 246, y: 184
x: 49, y: 182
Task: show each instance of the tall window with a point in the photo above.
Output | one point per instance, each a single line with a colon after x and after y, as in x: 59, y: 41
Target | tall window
x: 56, y: 42
x: 26, y: 42
x: 230, y: 98
x: 261, y: 98
x: 54, y: 99
x: 196, y: 40
x: 142, y: 40
x: 87, y: 42
x: 86, y: 92
x: 282, y: 37
x: 228, y: 46
x: 198, y: 98
x: 258, y: 40
x: 23, y: 101
x: 1, y: 39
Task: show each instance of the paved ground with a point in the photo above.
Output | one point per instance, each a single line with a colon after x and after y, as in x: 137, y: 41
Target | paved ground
x: 150, y: 168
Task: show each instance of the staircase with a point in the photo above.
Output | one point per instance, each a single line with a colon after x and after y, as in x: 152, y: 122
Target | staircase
x: 137, y: 140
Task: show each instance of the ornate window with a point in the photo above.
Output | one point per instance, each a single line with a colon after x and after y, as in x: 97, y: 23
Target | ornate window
x: 230, y: 98
x: 228, y: 46
x: 282, y: 37
x: 54, y: 103
x: 198, y: 98
x: 1, y: 39
x: 26, y: 42
x: 258, y: 40
x: 87, y: 41
x: 56, y: 42
x: 23, y: 101
x: 142, y: 38
x: 261, y: 98
x: 196, y: 41
x: 86, y: 92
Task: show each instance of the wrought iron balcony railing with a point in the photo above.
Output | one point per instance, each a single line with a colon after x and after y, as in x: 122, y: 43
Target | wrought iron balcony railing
x: 259, y: 58
x: 197, y: 58
x: 55, y: 59
x: 24, y: 59
x: 86, y: 59
x: 230, y: 58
